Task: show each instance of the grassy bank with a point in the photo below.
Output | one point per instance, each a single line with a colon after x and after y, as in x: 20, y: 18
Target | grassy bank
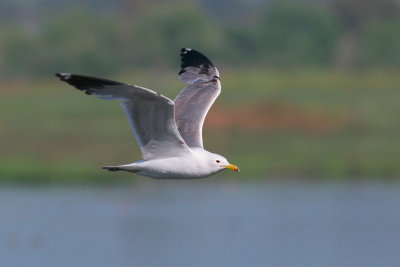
x: 298, y: 125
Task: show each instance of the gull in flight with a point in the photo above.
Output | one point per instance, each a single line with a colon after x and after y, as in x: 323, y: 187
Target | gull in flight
x: 169, y: 132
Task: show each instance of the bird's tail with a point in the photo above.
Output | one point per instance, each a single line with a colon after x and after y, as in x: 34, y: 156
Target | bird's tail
x: 111, y: 168
x: 127, y: 168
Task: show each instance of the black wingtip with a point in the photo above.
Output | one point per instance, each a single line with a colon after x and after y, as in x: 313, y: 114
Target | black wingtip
x: 83, y: 82
x: 184, y: 50
x: 63, y: 76
x: 193, y: 58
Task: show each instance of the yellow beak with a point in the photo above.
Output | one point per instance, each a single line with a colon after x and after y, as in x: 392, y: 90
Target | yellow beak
x: 231, y: 167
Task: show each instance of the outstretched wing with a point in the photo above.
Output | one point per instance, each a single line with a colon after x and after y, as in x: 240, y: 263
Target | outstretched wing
x: 150, y: 114
x: 194, y: 101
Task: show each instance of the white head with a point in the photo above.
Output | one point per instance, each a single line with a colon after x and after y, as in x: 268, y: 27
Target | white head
x: 219, y: 163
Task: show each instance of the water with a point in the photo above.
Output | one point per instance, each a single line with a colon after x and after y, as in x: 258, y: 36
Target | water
x: 197, y: 223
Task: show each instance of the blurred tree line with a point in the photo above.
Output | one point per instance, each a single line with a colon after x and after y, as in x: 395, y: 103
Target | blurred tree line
x: 41, y: 37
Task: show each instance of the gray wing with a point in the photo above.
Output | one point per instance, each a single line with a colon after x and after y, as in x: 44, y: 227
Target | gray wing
x: 150, y: 114
x: 194, y: 101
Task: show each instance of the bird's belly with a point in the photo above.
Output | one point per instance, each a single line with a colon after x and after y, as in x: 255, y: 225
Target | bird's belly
x: 172, y: 174
x: 173, y: 170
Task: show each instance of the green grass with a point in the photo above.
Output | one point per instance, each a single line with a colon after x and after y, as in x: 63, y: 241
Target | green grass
x: 51, y: 133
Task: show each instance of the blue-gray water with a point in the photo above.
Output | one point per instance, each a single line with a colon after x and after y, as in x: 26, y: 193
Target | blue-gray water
x: 194, y: 223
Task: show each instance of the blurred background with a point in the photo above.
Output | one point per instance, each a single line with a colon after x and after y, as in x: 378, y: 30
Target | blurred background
x: 309, y: 112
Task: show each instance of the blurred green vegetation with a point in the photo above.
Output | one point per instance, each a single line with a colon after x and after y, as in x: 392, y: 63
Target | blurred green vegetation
x: 107, y: 39
x: 308, y: 125
x: 310, y: 89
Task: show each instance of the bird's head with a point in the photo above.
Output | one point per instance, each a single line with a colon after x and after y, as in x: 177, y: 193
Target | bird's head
x: 220, y: 163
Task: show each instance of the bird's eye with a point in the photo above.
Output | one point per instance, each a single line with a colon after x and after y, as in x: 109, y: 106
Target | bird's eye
x: 217, y: 161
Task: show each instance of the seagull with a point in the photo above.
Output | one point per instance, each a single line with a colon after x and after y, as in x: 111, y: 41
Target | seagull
x: 169, y: 133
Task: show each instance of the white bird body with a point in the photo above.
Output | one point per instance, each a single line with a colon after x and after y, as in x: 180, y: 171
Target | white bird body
x: 198, y: 164
x: 169, y: 132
